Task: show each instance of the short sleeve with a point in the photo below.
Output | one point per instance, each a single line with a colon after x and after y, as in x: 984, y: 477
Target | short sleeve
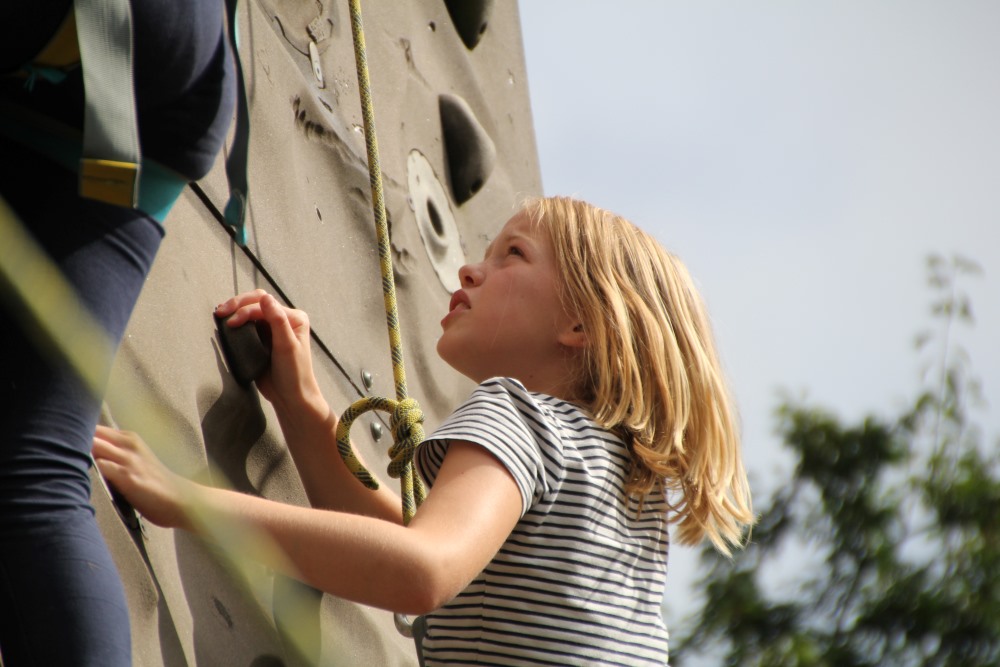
x: 502, y: 417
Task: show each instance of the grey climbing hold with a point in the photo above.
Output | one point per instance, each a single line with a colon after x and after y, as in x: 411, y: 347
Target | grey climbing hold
x: 470, y: 18
x: 469, y: 151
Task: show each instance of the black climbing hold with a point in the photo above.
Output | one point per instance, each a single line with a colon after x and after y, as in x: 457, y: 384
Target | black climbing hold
x: 470, y: 18
x: 125, y: 510
x: 247, y: 349
x: 469, y: 151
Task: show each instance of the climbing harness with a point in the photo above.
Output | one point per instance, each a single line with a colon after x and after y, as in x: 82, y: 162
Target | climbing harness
x: 158, y: 186
x: 97, y: 35
x: 405, y: 416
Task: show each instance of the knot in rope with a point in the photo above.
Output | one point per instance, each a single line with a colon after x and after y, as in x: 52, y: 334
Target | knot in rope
x: 405, y: 419
x: 407, y: 434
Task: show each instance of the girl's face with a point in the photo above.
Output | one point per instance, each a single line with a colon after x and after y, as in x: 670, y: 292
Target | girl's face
x: 507, y: 319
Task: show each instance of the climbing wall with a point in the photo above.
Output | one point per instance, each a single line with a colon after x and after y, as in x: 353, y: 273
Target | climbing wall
x: 457, y: 154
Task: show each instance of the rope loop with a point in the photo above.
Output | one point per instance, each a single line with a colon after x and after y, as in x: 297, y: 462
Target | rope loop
x: 405, y: 419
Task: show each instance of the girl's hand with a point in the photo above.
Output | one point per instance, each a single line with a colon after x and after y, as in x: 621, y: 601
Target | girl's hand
x: 128, y: 464
x: 289, y: 384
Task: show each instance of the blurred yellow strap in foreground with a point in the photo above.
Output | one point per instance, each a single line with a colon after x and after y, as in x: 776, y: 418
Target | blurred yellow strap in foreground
x: 47, y: 306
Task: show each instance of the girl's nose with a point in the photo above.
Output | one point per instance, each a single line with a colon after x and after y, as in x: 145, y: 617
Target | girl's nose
x: 470, y: 275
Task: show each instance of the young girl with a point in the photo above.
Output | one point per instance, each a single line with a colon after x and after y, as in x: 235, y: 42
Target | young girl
x: 602, y: 415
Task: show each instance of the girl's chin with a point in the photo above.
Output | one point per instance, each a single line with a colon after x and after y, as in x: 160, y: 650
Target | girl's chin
x: 445, y: 354
x: 461, y: 369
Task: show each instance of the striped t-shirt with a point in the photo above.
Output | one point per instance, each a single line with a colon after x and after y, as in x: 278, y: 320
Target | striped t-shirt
x: 580, y: 579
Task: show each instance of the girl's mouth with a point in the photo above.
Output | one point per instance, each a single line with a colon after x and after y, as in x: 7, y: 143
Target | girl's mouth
x: 459, y: 298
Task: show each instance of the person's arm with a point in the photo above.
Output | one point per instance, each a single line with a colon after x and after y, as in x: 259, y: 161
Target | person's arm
x: 307, y: 422
x: 468, y: 514
x: 311, y: 438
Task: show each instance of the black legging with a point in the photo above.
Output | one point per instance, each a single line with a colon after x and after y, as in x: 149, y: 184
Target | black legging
x: 61, y: 601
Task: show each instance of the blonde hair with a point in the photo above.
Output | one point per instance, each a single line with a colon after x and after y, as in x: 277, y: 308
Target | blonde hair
x: 651, y: 371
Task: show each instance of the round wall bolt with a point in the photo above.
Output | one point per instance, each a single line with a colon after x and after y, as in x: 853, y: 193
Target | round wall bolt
x: 366, y: 379
x: 376, y: 431
x: 316, y: 65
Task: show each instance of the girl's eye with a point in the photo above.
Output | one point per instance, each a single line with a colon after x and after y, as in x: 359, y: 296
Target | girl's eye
x: 514, y: 250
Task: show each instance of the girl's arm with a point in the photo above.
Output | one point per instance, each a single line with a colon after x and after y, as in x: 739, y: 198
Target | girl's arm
x: 307, y: 422
x: 312, y: 440
x: 467, y: 516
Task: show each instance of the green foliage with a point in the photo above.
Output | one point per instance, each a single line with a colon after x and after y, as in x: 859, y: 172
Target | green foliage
x: 893, y: 525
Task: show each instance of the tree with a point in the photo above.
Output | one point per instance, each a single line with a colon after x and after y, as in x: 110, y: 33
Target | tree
x: 898, y: 521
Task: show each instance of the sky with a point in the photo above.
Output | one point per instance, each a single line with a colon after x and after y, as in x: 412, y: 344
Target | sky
x: 803, y: 159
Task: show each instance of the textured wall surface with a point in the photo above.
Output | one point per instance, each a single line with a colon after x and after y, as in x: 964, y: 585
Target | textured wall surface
x: 457, y: 153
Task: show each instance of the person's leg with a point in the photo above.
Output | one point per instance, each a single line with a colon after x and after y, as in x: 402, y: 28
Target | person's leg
x: 61, y: 600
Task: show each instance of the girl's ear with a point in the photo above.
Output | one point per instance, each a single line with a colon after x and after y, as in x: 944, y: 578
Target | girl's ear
x: 574, y: 336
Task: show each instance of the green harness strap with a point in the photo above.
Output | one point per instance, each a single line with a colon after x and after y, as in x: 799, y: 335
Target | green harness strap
x: 110, y: 161
x: 239, y: 153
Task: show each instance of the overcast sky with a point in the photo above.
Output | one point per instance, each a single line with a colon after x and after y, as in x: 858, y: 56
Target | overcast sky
x: 803, y: 159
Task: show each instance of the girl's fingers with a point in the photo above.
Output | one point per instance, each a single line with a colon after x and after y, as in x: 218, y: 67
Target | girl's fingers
x: 283, y: 323
x: 122, y: 448
x: 131, y: 467
x: 231, y: 305
x: 102, y: 449
x: 259, y: 305
x: 111, y: 434
x: 244, y: 314
x: 109, y: 443
x: 109, y: 469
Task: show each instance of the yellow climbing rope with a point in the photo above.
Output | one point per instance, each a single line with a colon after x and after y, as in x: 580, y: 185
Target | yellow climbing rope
x: 405, y: 416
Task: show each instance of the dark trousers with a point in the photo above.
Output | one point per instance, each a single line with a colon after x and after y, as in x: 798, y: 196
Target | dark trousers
x: 61, y: 600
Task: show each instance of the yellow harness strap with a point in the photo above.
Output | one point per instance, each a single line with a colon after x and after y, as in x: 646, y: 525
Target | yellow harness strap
x: 63, y: 50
